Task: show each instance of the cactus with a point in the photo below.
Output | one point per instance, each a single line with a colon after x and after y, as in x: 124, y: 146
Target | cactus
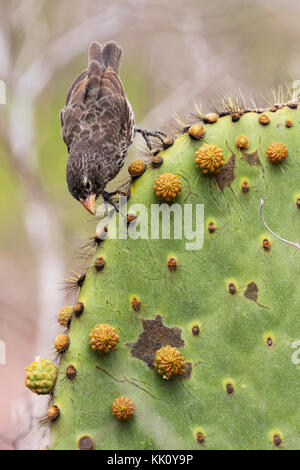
x: 202, y: 354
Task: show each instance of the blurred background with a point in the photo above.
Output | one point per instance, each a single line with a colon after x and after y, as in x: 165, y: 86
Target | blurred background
x: 176, y: 53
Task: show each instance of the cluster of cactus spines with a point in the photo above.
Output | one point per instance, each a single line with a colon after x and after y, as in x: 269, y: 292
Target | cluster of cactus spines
x: 104, y: 338
x: 123, y: 408
x: 61, y: 343
x: 53, y: 413
x: 65, y: 315
x: 277, y: 152
x: 137, y: 168
x: 167, y: 187
x: 230, y: 307
x: 209, y: 158
x: 99, y: 263
x: 168, y: 362
x: 71, y: 372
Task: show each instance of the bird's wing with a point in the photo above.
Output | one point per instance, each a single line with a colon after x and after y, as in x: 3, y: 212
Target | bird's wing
x: 96, y: 98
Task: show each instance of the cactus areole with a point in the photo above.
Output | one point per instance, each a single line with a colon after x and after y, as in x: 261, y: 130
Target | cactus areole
x: 199, y: 352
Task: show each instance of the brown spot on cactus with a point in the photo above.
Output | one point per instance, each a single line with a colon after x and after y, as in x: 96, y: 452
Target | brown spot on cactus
x: 61, y: 343
x: 251, y: 158
x: 251, y: 292
x: 65, y: 316
x: 277, y: 440
x: 154, y: 335
x: 187, y: 370
x: 231, y: 288
x: 298, y: 203
x: 195, y: 330
x: 99, y: 264
x: 41, y: 376
x: 53, y: 413
x: 277, y: 152
x: 196, y: 131
x: 288, y: 123
x: 209, y: 158
x: 269, y: 342
x: 168, y: 362
x: 211, y: 227
x: 137, y: 168
x: 210, y: 118
x: 167, y: 187
x: 263, y: 119
x: 269, y: 339
x: 273, y: 109
x: 136, y: 304
x: 71, y: 372
x: 245, y: 187
x: 86, y: 443
x: 104, y: 338
x: 242, y: 142
x: 200, y: 437
x: 78, y: 309
x: 123, y: 408
x: 168, y: 143
x: 157, y: 161
x: 230, y: 388
x: 266, y: 244
x: 226, y: 176
x: 172, y: 264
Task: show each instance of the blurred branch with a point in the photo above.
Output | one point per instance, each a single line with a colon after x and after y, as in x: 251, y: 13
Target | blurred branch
x: 113, y: 19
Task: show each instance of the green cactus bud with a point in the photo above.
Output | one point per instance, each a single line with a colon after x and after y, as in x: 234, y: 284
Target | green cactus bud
x: 41, y: 376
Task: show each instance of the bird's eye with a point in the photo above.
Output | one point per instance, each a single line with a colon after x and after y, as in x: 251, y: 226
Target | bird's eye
x: 88, y: 185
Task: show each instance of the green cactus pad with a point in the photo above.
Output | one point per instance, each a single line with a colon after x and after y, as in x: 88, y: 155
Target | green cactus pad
x: 231, y: 308
x: 41, y: 376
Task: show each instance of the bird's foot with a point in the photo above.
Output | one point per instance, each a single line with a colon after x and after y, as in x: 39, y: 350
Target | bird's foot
x: 146, y: 134
x: 107, y: 198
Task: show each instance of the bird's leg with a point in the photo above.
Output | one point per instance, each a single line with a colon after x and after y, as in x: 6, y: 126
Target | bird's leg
x: 147, y: 134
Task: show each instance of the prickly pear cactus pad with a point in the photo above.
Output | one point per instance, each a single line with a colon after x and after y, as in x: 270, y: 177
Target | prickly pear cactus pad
x: 219, y: 322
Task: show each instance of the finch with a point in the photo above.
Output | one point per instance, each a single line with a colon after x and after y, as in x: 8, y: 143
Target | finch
x: 97, y: 125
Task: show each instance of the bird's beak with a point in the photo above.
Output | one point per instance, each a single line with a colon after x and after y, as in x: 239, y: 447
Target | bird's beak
x: 89, y: 203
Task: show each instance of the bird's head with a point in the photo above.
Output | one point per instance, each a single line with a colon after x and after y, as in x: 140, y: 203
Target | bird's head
x: 86, y: 178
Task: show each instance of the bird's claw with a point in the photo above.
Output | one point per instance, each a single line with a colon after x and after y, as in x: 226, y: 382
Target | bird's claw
x: 146, y: 134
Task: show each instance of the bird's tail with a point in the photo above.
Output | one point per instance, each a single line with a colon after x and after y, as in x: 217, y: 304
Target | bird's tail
x: 103, y: 57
